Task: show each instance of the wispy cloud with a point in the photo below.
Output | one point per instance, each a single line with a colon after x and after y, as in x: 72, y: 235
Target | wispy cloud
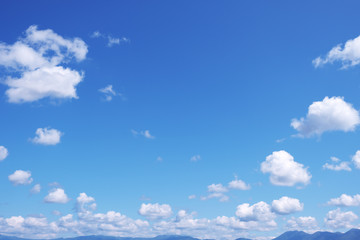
x: 145, y: 133
x: 111, y: 41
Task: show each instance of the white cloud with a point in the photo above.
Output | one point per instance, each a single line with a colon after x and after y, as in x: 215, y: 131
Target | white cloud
x: 286, y: 205
x: 35, y: 189
x: 284, y: 171
x: 3, y: 153
x: 216, y: 191
x: 145, y: 133
x: 348, y: 55
x: 260, y: 211
x: 345, y: 200
x: 20, y: 177
x: 337, y: 219
x: 111, y: 40
x: 195, y: 158
x: 218, y: 188
x: 343, y: 166
x: 47, y: 136
x: 37, y: 58
x: 155, y: 211
x: 109, y: 92
x: 83, y: 201
x: 307, y: 224
x: 238, y: 184
x: 57, y: 195
x: 192, y: 197
x: 330, y: 114
x: 356, y: 159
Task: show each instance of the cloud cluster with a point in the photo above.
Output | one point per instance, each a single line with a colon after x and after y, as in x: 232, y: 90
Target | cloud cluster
x: 345, y: 200
x: 337, y: 219
x: 284, y: 171
x: 155, y: 211
x: 330, y: 114
x: 219, y: 190
x: 47, y: 136
x: 348, y: 55
x: 337, y: 165
x: 307, y: 224
x: 37, y: 60
x: 20, y: 177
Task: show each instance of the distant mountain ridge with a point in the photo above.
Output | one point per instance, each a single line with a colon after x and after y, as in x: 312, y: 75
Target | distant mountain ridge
x: 353, y: 234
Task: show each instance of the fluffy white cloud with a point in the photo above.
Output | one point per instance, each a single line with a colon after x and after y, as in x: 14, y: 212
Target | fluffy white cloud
x: 83, y: 202
x: 330, y: 114
x: 35, y: 189
x: 260, y: 211
x: 57, y: 195
x: 109, y: 92
x: 345, y: 200
x: 217, y: 188
x: 216, y: 191
x: 284, y: 171
x: 3, y: 153
x: 47, y: 136
x: 20, y: 177
x: 238, y: 184
x: 337, y: 219
x: 195, y: 158
x: 356, y: 159
x: 307, y: 224
x: 286, y: 205
x: 343, y: 166
x: 37, y: 58
x: 348, y: 55
x: 155, y: 211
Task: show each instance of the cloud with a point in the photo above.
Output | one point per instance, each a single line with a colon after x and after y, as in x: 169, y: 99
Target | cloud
x: 83, y: 201
x: 238, y: 184
x: 47, y: 136
x: 111, y: 41
x: 192, y: 197
x: 195, y: 158
x: 35, y: 189
x: 3, y: 153
x: 218, y: 188
x: 356, y: 159
x: 36, y: 59
x: 109, y: 92
x: 337, y: 219
x: 155, y: 211
x: 343, y: 166
x: 20, y: 177
x: 145, y: 133
x: 57, y: 195
x: 260, y: 211
x: 330, y: 114
x: 286, y: 205
x: 345, y: 201
x: 348, y: 55
x: 307, y: 224
x: 284, y: 171
x: 216, y: 191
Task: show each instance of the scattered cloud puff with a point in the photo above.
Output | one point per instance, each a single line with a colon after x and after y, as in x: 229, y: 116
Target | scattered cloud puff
x: 145, y: 133
x: 109, y: 92
x: 339, y: 166
x: 348, y: 55
x: 57, y: 195
x: 345, y: 201
x: 47, y: 136
x: 111, y: 40
x: 20, y: 177
x: 3, y: 153
x: 195, y: 158
x: 37, y: 58
x: 155, y: 211
x: 238, y: 184
x: 35, y: 189
x: 356, y: 159
x: 337, y: 219
x: 286, y: 205
x: 307, y: 224
x: 260, y: 211
x: 330, y: 114
x: 284, y: 171
x: 216, y: 191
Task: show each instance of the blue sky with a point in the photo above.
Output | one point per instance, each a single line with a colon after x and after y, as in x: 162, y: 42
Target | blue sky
x: 205, y: 118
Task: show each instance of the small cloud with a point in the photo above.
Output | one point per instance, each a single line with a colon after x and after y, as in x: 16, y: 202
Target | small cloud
x: 337, y: 165
x: 109, y: 92
x: 195, y: 158
x: 3, y: 153
x: 47, y: 136
x: 36, y: 189
x: 145, y: 133
x: 238, y: 184
x: 20, y: 177
x: 192, y: 197
x: 280, y: 140
x: 57, y: 195
x: 111, y: 41
x: 159, y: 159
x: 155, y: 211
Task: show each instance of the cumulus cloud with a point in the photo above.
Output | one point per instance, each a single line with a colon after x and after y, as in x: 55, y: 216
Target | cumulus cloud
x: 356, y: 159
x: 111, y: 41
x: 238, y: 184
x: 195, y: 158
x: 330, y: 114
x: 83, y: 202
x: 337, y: 219
x: 307, y: 224
x: 216, y: 191
x: 20, y: 177
x: 47, y: 136
x: 286, y: 205
x: 342, y: 166
x: 348, y: 54
x: 109, y: 92
x: 260, y: 211
x: 35, y: 189
x: 284, y: 171
x: 36, y: 59
x: 345, y: 200
x: 3, y: 153
x: 57, y: 195
x: 155, y: 211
